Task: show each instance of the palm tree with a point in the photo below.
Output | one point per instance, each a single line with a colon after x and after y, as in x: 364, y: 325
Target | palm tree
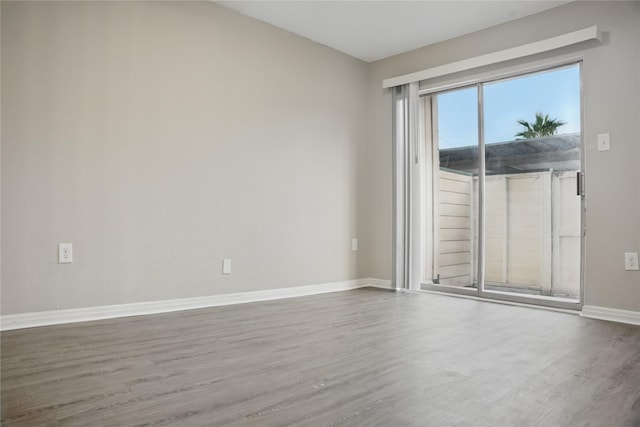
x: 543, y: 126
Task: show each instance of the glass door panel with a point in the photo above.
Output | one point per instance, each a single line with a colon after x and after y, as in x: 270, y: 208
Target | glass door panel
x: 532, y: 210
x: 503, y: 211
x: 455, y: 201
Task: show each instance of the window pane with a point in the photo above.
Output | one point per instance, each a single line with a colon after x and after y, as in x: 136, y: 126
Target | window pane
x: 456, y: 135
x: 553, y: 93
x: 532, y: 212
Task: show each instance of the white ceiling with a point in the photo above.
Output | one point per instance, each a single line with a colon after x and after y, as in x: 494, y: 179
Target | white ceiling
x: 372, y: 30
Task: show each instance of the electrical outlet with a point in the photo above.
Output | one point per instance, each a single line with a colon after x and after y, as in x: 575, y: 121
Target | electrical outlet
x: 631, y: 261
x: 226, y: 266
x: 65, y: 253
x: 354, y: 244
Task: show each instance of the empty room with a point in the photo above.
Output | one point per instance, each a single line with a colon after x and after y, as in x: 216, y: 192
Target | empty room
x: 309, y: 213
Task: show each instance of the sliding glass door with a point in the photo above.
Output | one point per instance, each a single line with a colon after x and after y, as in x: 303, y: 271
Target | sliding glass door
x: 506, y: 213
x: 456, y: 172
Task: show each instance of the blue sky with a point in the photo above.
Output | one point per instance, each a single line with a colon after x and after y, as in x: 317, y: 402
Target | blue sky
x: 556, y: 93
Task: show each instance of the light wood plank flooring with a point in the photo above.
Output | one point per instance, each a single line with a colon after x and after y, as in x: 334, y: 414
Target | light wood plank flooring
x: 359, y: 358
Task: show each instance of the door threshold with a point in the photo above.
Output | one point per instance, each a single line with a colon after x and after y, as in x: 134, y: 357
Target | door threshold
x: 566, y: 306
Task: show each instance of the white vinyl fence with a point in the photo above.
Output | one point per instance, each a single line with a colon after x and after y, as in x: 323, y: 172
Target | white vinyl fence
x: 532, y: 225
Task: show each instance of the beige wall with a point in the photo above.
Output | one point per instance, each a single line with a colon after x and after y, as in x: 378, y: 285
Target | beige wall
x: 611, y: 105
x: 162, y: 137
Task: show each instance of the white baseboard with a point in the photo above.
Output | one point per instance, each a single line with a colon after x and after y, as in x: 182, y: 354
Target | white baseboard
x: 611, y: 314
x: 378, y: 283
x: 57, y: 317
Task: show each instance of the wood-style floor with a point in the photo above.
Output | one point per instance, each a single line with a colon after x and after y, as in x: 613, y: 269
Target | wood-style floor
x: 359, y: 358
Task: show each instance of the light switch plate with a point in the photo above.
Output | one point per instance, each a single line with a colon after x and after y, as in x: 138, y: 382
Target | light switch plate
x: 603, y: 142
x: 354, y: 244
x: 226, y: 266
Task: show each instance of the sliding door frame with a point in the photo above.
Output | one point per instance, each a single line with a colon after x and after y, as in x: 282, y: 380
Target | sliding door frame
x: 427, y: 98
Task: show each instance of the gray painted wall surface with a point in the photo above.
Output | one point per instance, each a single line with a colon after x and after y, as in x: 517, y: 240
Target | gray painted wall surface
x: 611, y: 105
x: 162, y: 137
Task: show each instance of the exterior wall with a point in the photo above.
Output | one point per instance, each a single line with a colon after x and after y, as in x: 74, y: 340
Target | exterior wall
x: 611, y: 89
